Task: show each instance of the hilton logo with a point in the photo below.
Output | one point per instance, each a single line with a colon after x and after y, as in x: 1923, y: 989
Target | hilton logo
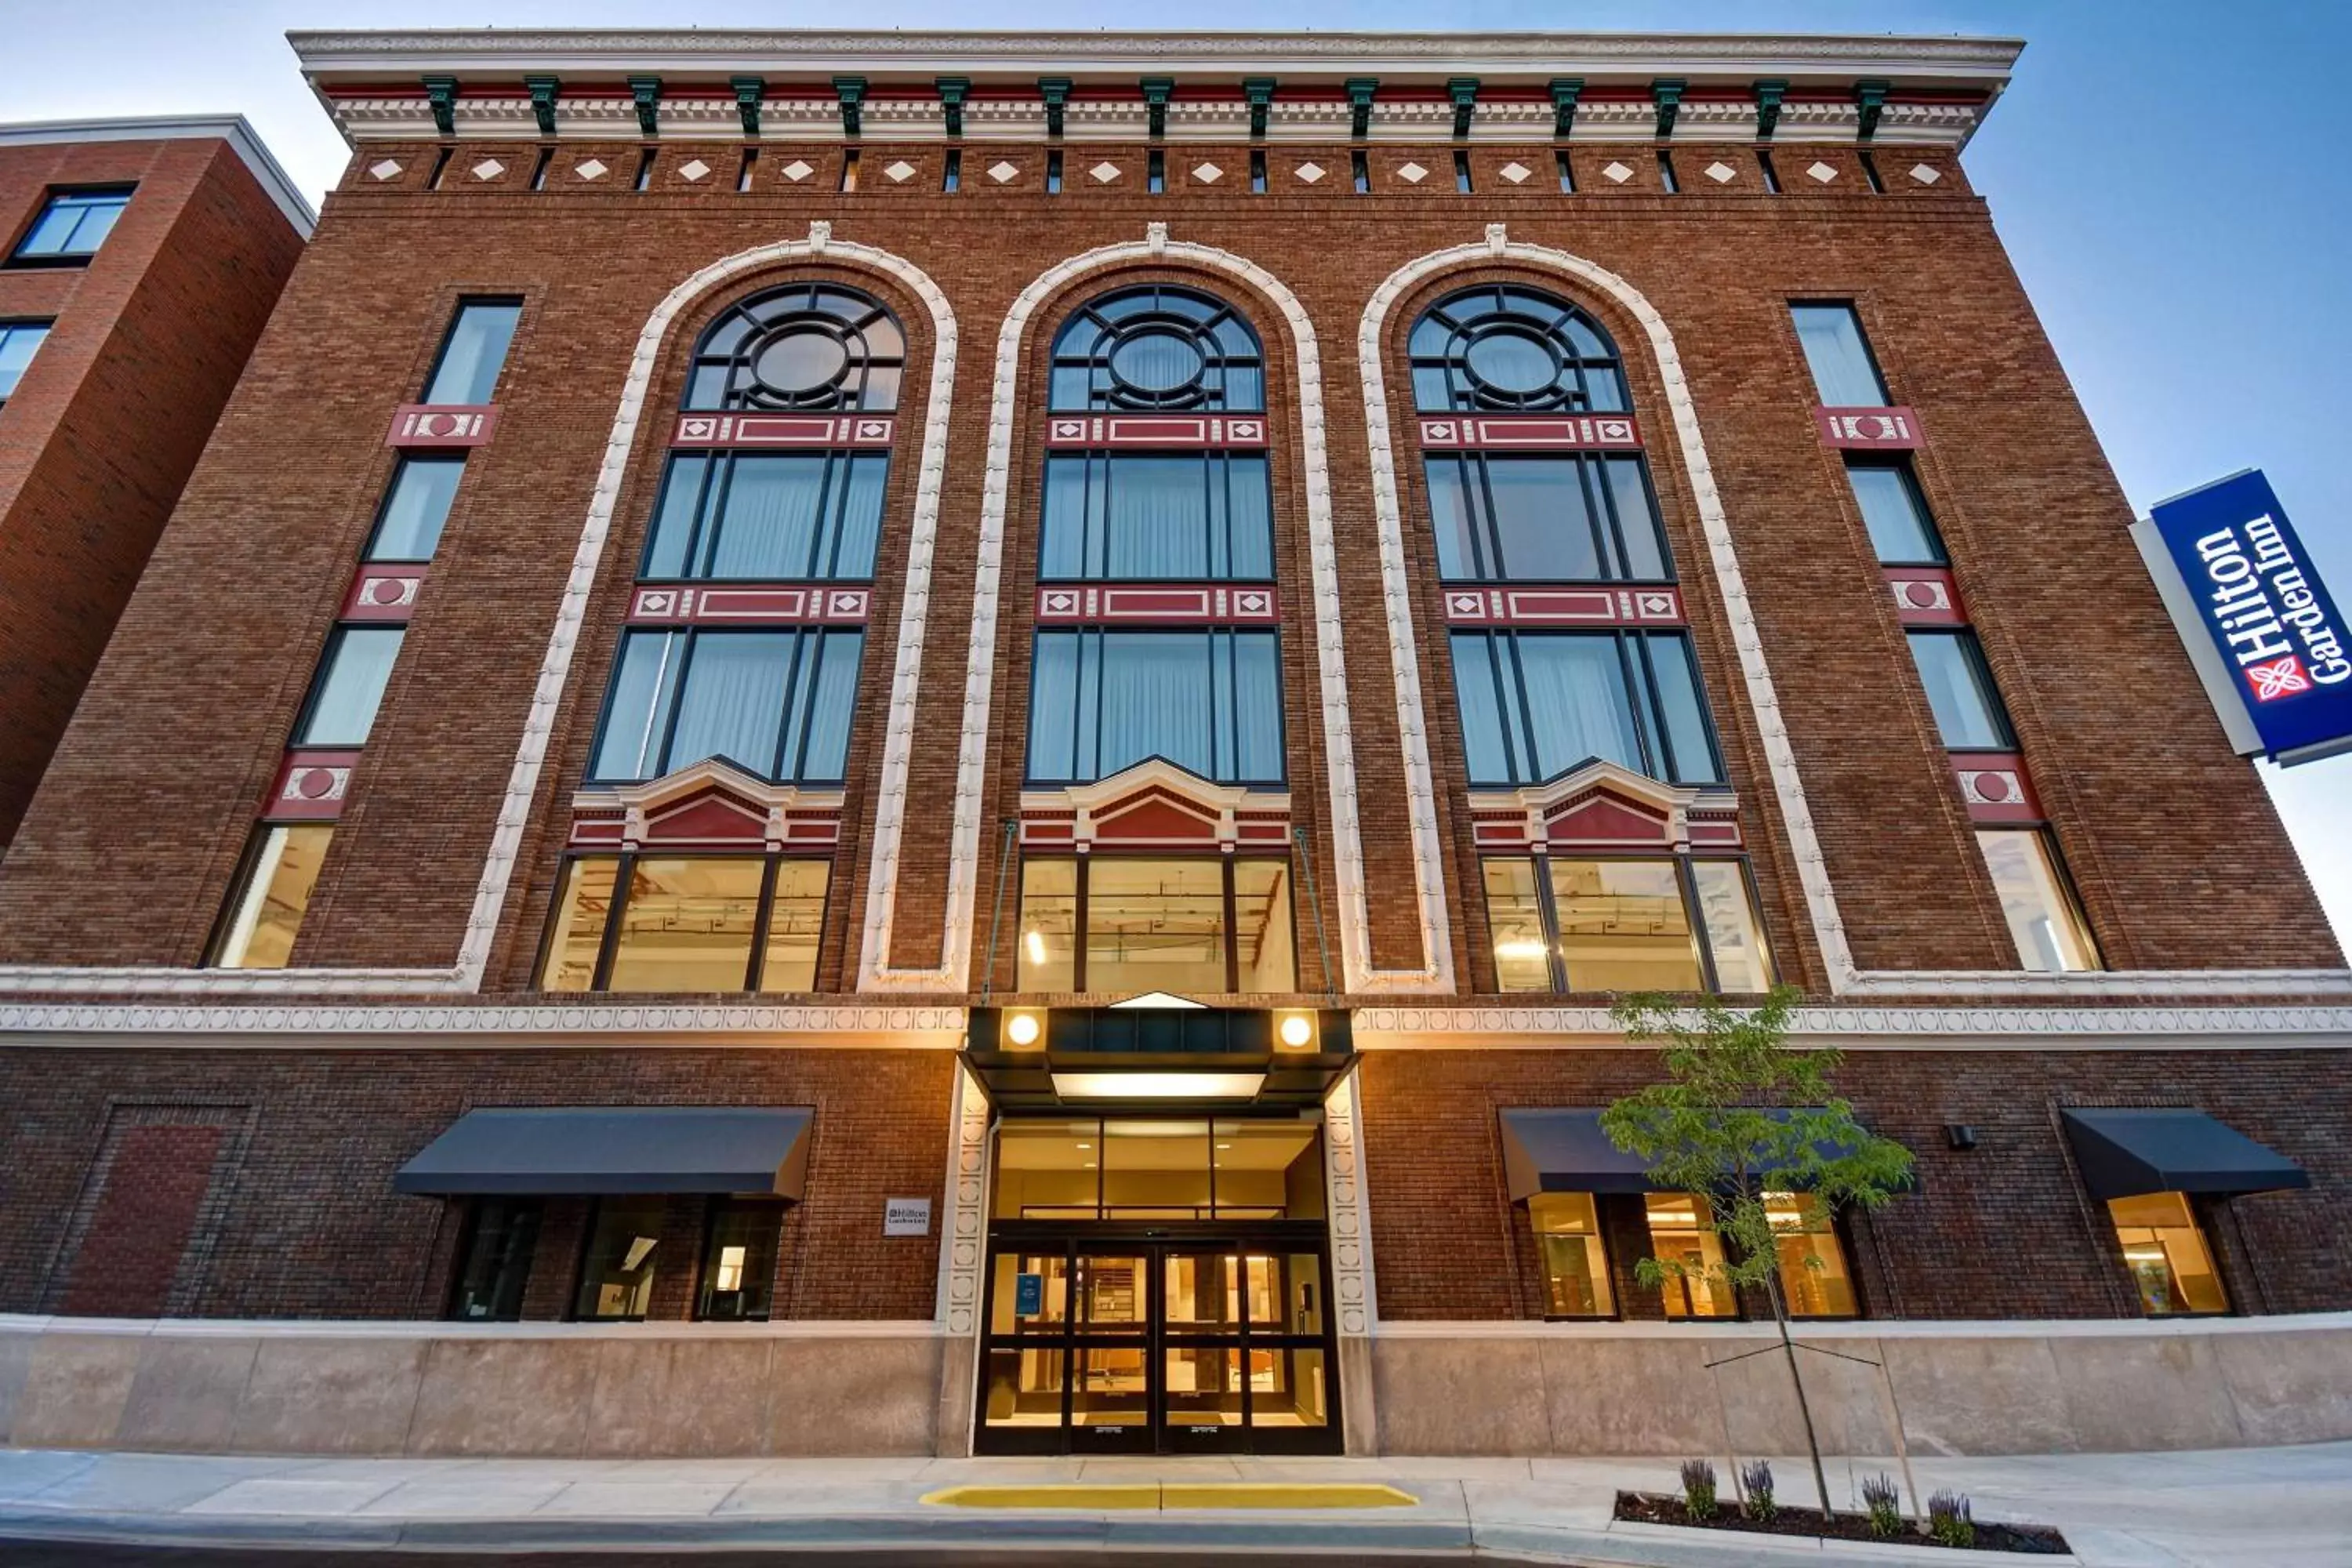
x: 2263, y: 604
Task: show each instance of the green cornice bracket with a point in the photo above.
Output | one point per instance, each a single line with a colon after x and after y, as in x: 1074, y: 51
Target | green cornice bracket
x: 1666, y: 92
x: 1259, y: 90
x: 542, y: 89
x: 1157, y: 89
x: 1055, y: 91
x: 952, y: 89
x: 1359, y: 105
x: 1768, y: 94
x: 1565, y: 91
x: 750, y: 92
x: 647, y: 90
x: 441, y: 92
x: 851, y: 91
x: 1463, y: 90
x: 1871, y: 96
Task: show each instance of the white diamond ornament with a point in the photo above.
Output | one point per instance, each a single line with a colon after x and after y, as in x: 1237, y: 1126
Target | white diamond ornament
x: 1104, y: 174
x: 901, y: 172
x: 796, y: 170
x: 1722, y: 174
x: 1822, y: 172
x: 1310, y: 172
x: 488, y: 169
x: 1412, y: 173
x: 1207, y: 174
x: 694, y: 171
x: 1516, y: 173
x: 1002, y: 171
x: 384, y: 169
x: 1926, y: 175
x: 593, y: 169
x: 1618, y: 172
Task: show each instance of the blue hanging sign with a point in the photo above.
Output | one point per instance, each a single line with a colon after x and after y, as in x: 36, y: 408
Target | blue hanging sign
x: 1028, y: 1295
x: 2284, y: 650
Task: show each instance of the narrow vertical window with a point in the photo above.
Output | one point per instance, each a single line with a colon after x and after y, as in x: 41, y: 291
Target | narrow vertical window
x: 1869, y: 173
x: 849, y: 172
x: 1666, y: 180
x: 539, y: 168
x: 1575, y: 1265
x: 494, y: 1261
x: 1257, y: 173
x: 265, y: 914
x: 1771, y: 175
x: 348, y: 687
x: 1054, y: 173
x: 644, y: 171
x: 951, y: 170
x: 1462, y: 174
x: 743, y: 170
x: 1567, y: 173
x: 474, y: 351
x: 739, y: 1259
x: 1844, y: 372
x: 2037, y: 902
x: 1361, y: 169
x: 1155, y: 172
x: 1895, y: 513
x: 2164, y: 1248
x: 440, y: 167
x: 1960, y: 692
x: 408, y: 526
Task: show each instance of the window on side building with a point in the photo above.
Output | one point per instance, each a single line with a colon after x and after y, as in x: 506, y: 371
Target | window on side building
x: 18, y: 342
x: 1968, y: 711
x: 1814, y: 1279
x: 2166, y: 1250
x: 775, y: 704
x: 623, y: 1258
x: 1682, y: 1232
x: 408, y: 527
x: 1535, y: 705
x: 348, y: 687
x: 1895, y: 511
x: 72, y: 226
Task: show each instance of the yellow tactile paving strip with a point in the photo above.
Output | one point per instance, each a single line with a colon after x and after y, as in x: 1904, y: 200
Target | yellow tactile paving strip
x: 1111, y: 1497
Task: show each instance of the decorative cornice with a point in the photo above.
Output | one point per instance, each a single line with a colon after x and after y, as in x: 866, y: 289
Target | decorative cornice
x: 1488, y: 1027
x: 233, y: 129
x: 603, y: 1022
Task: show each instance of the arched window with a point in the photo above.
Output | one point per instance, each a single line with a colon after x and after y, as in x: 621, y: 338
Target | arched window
x: 1157, y: 641
x: 1158, y: 348
x: 803, y: 346
x: 1503, y: 350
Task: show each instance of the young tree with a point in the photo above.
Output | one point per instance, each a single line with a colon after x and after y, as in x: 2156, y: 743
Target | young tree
x: 1742, y: 1112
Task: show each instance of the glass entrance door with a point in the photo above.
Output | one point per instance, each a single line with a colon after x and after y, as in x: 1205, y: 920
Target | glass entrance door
x: 1189, y: 1339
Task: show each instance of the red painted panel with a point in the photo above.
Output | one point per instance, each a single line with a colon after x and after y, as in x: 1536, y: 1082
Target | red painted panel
x: 749, y: 603
x: 382, y: 593
x: 1182, y: 604
x: 428, y: 427
x: 1189, y: 432
x: 783, y: 430
x: 1925, y: 596
x: 1996, y: 786
x: 707, y: 819
x: 1531, y: 432
x: 1604, y: 819
x: 1869, y: 430
x: 1153, y: 820
x: 1596, y: 607
x: 309, y: 787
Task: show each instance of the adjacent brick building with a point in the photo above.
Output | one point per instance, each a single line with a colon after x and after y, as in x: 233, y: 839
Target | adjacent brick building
x: 141, y: 258
x: 1012, y: 704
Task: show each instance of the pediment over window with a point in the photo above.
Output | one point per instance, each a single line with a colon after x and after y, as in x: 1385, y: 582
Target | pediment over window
x: 711, y: 804
x: 1154, y: 805
x: 1604, y: 805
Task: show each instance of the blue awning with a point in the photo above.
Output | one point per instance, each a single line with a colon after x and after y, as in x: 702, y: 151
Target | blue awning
x: 557, y: 1150
x: 2123, y: 1153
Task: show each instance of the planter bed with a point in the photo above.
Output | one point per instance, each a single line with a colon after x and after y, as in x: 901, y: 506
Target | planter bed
x: 1659, y: 1507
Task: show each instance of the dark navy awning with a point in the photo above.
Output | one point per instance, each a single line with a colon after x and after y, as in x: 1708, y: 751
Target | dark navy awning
x: 2124, y: 1152
x: 594, y: 1149
x: 1564, y: 1150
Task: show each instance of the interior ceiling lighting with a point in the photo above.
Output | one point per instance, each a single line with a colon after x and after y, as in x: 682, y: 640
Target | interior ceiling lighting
x: 1158, y: 1085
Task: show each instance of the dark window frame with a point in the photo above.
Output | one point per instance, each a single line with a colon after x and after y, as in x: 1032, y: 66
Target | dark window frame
x: 449, y: 338
x: 1601, y: 511
x: 400, y: 466
x: 1503, y: 311
x: 1031, y: 780
x: 786, y: 741
x: 298, y: 737
x: 706, y: 1261
x: 767, y: 314
x: 1231, y: 923
x: 1686, y: 882
x: 608, y: 941
x: 1852, y: 307
x: 49, y: 198
x: 48, y: 324
x: 470, y: 1232
x: 1217, y: 471
x: 1637, y: 672
x: 1168, y: 312
x: 1972, y: 655
x: 1907, y: 474
x: 717, y: 486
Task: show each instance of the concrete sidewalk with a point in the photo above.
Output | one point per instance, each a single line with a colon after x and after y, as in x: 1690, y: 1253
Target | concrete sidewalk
x: 2275, y: 1507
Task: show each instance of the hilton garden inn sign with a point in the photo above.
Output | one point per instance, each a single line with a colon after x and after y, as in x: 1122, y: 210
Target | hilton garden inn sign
x: 2275, y: 657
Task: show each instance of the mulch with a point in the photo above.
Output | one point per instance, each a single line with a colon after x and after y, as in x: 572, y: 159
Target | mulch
x: 1656, y: 1507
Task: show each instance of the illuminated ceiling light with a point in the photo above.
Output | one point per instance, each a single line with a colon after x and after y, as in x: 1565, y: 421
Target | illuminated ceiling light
x: 1520, y: 947
x: 1034, y: 941
x: 1296, y: 1029
x: 1024, y: 1028
x: 1158, y: 1085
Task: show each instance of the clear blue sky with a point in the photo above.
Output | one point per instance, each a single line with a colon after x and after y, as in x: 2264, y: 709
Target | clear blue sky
x: 2170, y: 177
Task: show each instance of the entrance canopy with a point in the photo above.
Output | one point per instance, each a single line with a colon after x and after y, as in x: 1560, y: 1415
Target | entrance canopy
x: 573, y: 1150
x: 2126, y: 1153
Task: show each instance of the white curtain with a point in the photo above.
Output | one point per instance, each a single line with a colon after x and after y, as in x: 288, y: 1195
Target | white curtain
x: 1155, y: 700
x: 732, y: 703
x: 1576, y: 702
x: 770, y: 526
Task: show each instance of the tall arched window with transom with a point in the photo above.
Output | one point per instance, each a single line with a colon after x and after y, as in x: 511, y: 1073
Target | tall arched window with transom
x: 1155, y: 809
x: 1609, y: 840
x: 702, y: 841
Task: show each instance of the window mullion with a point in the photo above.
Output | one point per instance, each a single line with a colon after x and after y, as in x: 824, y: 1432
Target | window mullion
x: 1084, y: 864
x: 756, y: 971
x: 1232, y: 987
x: 1695, y: 918
x: 622, y: 870
x: 685, y: 641
x: 1548, y: 917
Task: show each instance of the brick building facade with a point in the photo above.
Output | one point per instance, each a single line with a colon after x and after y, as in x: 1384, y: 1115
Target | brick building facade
x: 141, y: 259
x: 1394, y: 550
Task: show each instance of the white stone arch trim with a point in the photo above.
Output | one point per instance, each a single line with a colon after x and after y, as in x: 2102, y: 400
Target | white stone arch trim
x: 1756, y: 675
x: 1004, y: 412
x: 530, y: 753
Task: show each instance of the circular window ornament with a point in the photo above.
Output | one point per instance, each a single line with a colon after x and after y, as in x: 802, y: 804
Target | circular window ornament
x: 1512, y: 363
x: 800, y: 361
x: 1158, y: 361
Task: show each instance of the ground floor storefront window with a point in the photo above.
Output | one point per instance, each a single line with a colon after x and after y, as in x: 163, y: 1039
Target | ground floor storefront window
x: 494, y: 1259
x: 622, y: 1258
x: 2164, y: 1248
x: 1575, y: 1265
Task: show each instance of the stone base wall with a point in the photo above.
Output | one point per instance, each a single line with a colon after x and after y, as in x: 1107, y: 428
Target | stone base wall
x: 438, y: 1390
x: 1955, y: 1388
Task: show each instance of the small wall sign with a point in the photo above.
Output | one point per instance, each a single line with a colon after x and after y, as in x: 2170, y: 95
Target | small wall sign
x: 1028, y: 1295
x: 905, y: 1217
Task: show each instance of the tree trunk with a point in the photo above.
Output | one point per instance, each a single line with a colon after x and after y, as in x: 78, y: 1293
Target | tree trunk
x: 1804, y: 1406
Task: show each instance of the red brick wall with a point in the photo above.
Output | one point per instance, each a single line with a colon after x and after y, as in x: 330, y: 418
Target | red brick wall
x: 219, y: 643
x: 110, y: 418
x: 2003, y: 1230
x: 311, y: 1228
x: 155, y: 1184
